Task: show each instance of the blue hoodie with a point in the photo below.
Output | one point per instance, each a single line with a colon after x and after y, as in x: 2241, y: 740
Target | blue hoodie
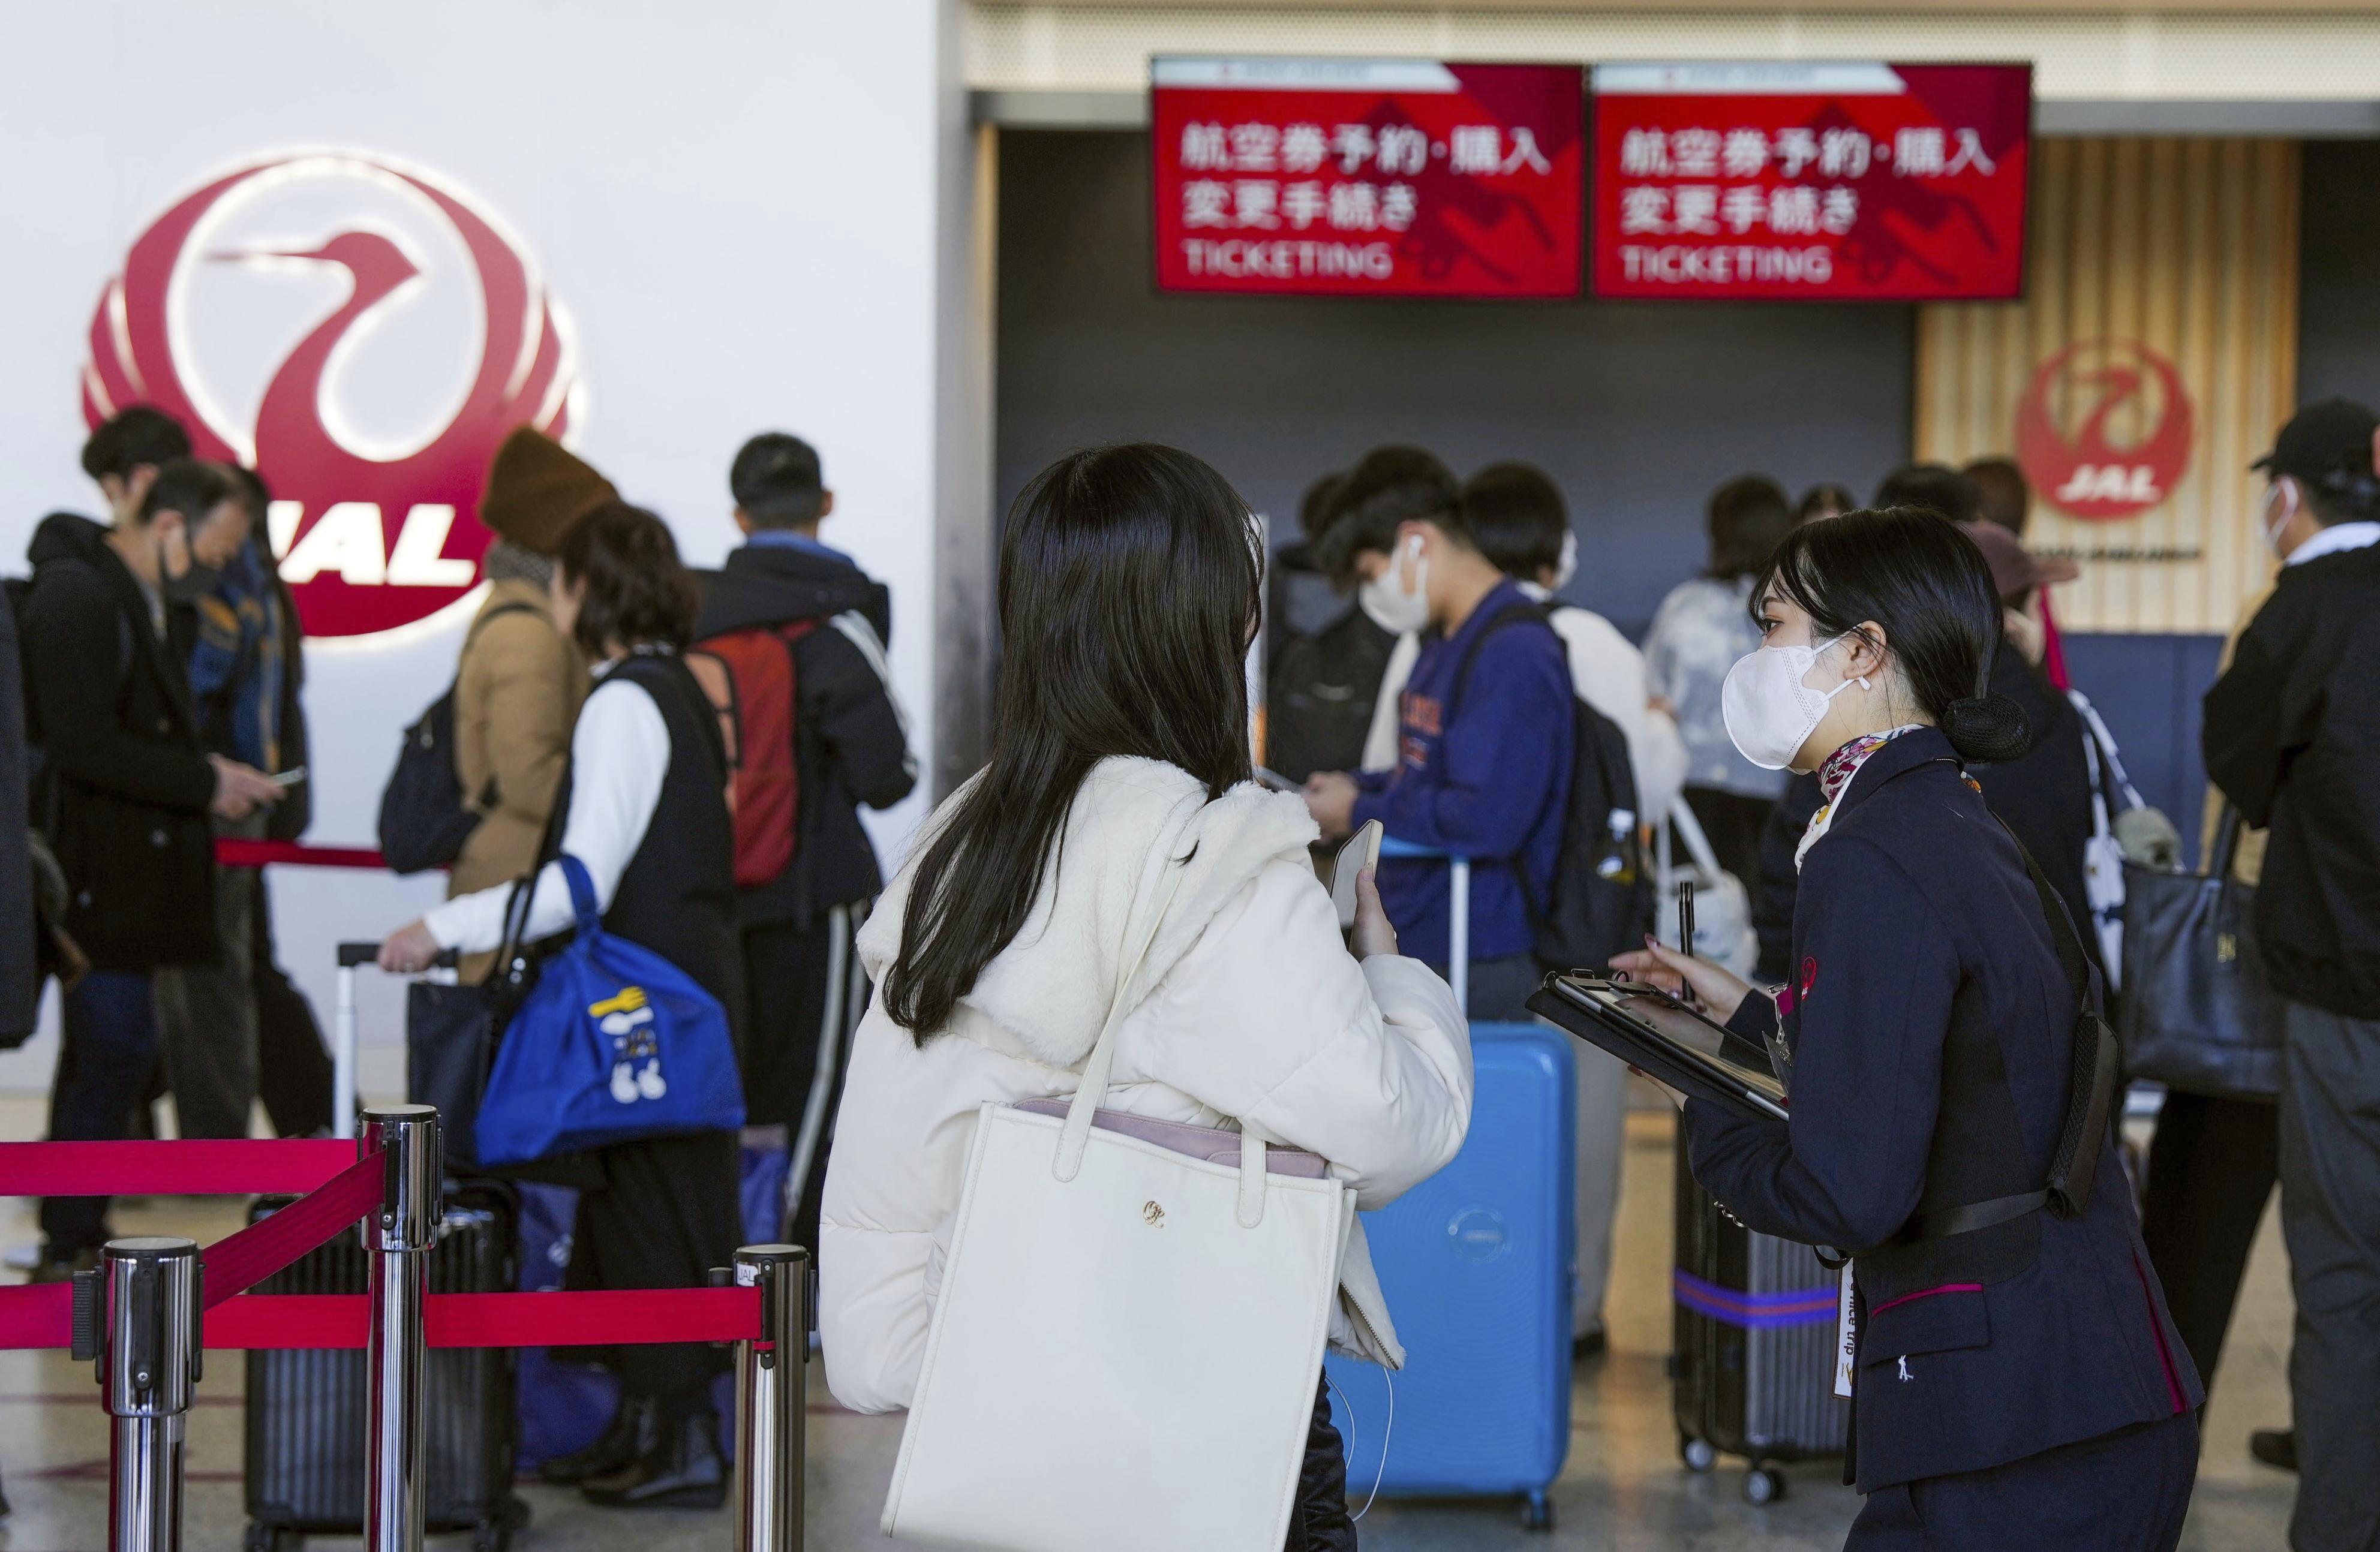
x: 1487, y: 779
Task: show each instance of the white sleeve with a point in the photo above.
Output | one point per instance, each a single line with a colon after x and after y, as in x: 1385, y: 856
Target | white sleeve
x: 619, y: 753
x: 1609, y: 674
x: 1380, y: 743
x: 1267, y: 1018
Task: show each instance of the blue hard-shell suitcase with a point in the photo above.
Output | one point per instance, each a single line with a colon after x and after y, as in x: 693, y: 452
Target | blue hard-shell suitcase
x: 1478, y: 1264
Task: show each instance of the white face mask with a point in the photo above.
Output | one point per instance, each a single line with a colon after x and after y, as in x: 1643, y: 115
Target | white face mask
x: 1567, y: 567
x: 1384, y: 598
x: 2284, y: 498
x: 1770, y: 711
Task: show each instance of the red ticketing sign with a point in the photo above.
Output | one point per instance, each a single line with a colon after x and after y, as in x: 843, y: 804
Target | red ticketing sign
x: 1374, y: 178
x: 1824, y: 182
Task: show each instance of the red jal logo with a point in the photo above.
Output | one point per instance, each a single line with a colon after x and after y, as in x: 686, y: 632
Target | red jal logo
x: 362, y: 333
x: 2134, y: 428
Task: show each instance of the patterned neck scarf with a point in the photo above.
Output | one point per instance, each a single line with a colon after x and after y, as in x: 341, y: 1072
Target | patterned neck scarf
x: 1835, y: 774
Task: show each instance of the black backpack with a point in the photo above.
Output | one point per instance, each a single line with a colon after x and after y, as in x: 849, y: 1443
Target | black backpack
x: 1603, y: 894
x: 1320, y: 694
x: 423, y: 819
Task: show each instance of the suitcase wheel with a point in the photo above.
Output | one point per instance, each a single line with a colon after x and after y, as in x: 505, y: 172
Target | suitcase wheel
x: 496, y: 1535
x: 1537, y: 1513
x: 261, y: 1537
x: 1763, y: 1486
x: 1698, y: 1454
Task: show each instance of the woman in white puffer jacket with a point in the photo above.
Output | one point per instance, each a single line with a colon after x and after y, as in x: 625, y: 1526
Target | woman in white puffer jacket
x: 1128, y: 593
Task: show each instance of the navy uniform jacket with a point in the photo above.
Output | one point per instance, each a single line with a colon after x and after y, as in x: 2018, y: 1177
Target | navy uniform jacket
x: 1918, y: 933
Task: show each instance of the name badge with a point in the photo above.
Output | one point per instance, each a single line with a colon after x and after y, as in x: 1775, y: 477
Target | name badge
x: 1846, y: 1335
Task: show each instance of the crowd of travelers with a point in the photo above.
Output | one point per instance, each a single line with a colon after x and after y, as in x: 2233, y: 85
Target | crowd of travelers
x: 694, y: 750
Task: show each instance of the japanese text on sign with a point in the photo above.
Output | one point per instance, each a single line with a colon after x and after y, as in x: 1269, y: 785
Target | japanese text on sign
x: 1829, y: 181
x: 1388, y: 178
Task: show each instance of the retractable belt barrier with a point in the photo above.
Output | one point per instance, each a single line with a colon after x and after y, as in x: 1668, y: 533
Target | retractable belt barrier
x: 233, y: 852
x: 155, y: 1304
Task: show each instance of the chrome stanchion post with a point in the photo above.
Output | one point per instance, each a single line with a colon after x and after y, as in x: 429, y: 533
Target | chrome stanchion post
x: 398, y: 1239
x: 772, y: 1385
x: 149, y: 1365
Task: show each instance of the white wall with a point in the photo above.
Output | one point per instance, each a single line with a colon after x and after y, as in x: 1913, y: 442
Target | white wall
x: 738, y: 205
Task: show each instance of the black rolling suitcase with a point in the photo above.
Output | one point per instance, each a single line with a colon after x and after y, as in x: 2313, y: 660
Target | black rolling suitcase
x: 1753, y: 1368
x: 305, y: 1408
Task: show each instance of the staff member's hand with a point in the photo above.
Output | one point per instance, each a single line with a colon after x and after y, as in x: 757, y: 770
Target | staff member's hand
x: 1330, y: 798
x: 409, y: 950
x: 1718, y: 989
x: 1372, y: 934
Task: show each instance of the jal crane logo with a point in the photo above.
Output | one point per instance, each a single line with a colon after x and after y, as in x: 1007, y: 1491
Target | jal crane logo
x: 364, y: 333
x: 2132, y: 429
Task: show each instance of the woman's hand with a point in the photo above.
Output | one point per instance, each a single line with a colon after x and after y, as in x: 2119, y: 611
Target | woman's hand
x: 1374, y: 934
x: 1330, y: 798
x: 1720, y: 990
x: 409, y: 950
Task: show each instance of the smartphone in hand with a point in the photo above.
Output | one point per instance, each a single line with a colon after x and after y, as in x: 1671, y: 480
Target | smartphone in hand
x: 1359, y: 850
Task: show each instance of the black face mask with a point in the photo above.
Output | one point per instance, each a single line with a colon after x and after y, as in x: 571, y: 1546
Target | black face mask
x: 193, y: 584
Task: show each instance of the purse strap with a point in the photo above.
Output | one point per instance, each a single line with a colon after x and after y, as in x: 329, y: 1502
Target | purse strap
x: 582, y: 894
x: 2225, y: 849
x: 1074, y: 1138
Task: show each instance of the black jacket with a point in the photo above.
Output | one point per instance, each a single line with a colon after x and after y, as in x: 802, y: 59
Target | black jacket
x: 20, y: 976
x: 125, y: 783
x: 851, y: 743
x: 2293, y: 736
x: 1920, y: 942
x: 1319, y: 696
x: 2045, y: 797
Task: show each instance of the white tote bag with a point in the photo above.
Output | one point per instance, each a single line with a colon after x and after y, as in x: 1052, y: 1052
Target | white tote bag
x: 1128, y: 1337
x: 1723, y: 931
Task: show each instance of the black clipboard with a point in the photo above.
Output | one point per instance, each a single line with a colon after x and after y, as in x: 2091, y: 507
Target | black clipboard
x: 1648, y: 1028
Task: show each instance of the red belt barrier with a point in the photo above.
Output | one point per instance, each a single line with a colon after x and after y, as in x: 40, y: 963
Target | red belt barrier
x: 39, y: 1318
x: 232, y: 852
x: 235, y: 1264
x: 596, y: 1318
x: 255, y: 1167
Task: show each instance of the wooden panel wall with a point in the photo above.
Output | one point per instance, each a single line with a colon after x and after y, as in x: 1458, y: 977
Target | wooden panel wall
x: 2191, y: 248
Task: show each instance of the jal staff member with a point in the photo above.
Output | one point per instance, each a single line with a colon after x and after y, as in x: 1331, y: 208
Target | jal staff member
x: 2019, y: 1381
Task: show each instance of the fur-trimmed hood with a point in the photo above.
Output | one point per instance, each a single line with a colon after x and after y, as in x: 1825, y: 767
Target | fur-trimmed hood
x: 1141, y: 837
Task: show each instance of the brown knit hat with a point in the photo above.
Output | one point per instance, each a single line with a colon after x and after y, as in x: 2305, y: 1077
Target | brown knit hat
x: 538, y: 490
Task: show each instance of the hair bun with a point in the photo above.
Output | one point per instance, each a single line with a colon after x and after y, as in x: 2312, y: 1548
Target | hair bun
x: 1989, y: 728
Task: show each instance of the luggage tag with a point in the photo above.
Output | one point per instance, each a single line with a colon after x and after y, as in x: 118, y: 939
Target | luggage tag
x: 1846, y: 1335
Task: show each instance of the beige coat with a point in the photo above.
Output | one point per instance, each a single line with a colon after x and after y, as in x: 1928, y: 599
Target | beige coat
x: 516, y: 695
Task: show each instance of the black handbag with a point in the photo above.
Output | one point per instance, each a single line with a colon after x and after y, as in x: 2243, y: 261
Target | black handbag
x: 2195, y: 1016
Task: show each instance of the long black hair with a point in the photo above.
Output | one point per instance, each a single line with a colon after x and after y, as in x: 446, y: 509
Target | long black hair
x: 1129, y: 586
x: 1916, y: 575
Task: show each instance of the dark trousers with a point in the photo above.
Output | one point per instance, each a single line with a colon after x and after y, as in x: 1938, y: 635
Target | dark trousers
x: 2211, y: 1165
x: 293, y: 1066
x: 665, y: 1215
x: 1318, y: 1522
x: 2127, y: 1491
x: 804, y: 993
x: 2330, y: 1217
x: 107, y: 1054
x: 1731, y: 822
x: 206, y: 1013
